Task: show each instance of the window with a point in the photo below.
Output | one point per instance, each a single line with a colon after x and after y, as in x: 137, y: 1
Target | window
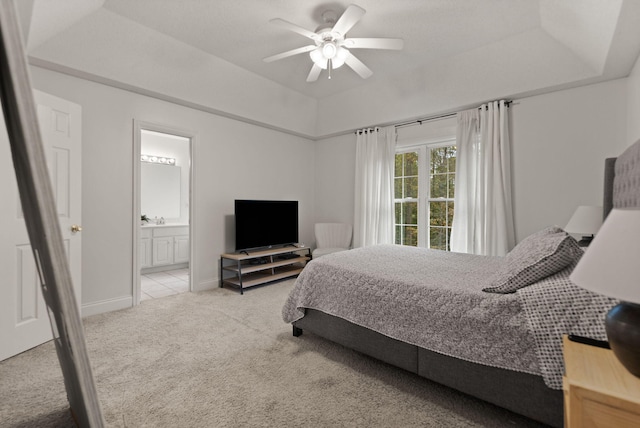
x: 424, y: 193
x: 406, y: 198
x: 442, y: 177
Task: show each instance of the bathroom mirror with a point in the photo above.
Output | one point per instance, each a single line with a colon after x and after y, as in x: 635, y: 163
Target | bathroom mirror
x: 160, y: 190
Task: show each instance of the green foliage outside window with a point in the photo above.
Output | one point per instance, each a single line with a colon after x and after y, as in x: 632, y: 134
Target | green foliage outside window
x: 442, y: 178
x: 406, y: 189
x: 440, y: 205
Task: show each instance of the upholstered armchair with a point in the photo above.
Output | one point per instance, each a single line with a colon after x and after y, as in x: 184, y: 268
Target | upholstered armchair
x: 331, y: 238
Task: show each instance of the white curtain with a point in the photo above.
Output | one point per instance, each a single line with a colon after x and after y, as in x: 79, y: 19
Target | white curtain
x: 375, y: 155
x: 483, y: 216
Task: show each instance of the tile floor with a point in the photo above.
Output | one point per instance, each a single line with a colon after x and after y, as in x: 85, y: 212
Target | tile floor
x: 165, y: 283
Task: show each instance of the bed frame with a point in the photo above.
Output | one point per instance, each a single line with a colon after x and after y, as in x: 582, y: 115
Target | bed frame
x: 522, y: 393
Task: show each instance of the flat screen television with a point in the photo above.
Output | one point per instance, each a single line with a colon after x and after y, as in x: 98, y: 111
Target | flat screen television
x: 263, y: 224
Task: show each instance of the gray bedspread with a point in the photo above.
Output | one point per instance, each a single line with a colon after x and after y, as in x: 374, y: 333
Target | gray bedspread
x: 434, y: 299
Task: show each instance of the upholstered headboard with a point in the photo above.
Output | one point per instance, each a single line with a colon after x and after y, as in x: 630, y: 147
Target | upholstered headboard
x: 609, y: 174
x: 622, y: 180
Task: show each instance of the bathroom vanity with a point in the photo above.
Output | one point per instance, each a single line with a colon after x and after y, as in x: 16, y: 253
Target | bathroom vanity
x: 163, y: 247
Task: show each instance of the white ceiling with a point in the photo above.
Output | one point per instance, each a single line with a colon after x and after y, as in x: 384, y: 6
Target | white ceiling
x: 456, y: 52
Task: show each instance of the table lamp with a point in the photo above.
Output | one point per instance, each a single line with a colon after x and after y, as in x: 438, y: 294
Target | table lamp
x: 611, y: 266
x: 586, y: 220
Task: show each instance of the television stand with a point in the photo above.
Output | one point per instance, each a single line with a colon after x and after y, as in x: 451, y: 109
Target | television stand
x: 281, y: 263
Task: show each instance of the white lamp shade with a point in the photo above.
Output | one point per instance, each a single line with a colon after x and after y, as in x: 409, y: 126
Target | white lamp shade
x: 611, y: 265
x: 586, y: 220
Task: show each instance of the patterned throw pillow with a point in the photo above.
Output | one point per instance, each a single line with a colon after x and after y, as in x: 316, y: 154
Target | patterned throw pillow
x: 536, y: 257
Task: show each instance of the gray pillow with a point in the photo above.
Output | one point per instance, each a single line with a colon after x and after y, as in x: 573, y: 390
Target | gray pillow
x: 536, y: 257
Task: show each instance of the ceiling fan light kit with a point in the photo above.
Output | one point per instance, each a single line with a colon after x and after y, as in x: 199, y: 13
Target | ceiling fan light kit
x: 331, y: 49
x: 329, y: 52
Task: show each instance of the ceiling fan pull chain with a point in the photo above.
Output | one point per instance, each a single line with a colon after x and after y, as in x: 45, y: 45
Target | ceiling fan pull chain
x: 330, y: 67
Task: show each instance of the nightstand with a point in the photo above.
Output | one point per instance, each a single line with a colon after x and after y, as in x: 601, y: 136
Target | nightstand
x: 598, y: 390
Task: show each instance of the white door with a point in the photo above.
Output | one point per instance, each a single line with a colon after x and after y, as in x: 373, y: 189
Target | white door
x: 24, y: 322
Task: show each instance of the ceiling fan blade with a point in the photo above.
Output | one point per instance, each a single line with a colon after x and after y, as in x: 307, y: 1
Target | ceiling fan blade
x: 348, y: 19
x: 295, y: 28
x: 373, y: 43
x: 290, y: 53
x: 314, y: 73
x: 358, y: 66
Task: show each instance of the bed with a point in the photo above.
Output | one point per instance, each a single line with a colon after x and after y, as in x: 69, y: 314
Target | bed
x: 490, y: 327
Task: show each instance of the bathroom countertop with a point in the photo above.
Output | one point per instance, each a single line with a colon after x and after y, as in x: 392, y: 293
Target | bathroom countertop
x: 150, y: 225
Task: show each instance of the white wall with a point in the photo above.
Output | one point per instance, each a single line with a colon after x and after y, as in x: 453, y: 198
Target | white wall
x: 232, y: 160
x: 560, y: 141
x: 633, y: 104
x: 335, y: 159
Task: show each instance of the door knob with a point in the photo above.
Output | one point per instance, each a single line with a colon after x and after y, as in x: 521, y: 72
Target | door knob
x: 75, y: 228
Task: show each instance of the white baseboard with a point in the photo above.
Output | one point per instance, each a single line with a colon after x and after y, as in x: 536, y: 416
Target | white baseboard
x: 106, y: 306
x: 116, y: 304
x: 206, y: 285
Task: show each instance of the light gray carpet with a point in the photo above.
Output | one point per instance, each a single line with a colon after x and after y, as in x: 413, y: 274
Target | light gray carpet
x: 219, y: 359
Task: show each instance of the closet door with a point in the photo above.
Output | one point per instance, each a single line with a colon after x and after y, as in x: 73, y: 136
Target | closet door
x: 24, y: 322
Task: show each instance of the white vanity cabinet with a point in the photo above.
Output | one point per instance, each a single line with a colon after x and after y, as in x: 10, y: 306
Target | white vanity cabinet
x: 144, y: 247
x: 164, y: 247
x: 181, y: 249
x: 162, y: 251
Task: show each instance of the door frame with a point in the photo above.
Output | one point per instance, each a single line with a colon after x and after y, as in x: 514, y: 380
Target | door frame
x: 138, y: 126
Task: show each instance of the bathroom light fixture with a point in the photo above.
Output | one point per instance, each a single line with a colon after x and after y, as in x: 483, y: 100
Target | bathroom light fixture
x: 157, y: 159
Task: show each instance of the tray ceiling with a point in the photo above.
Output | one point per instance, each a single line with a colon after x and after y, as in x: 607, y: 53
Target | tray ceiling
x: 529, y: 46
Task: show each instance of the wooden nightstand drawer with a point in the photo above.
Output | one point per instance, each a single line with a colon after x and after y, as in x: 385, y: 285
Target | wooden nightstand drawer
x: 599, y: 392
x: 594, y: 409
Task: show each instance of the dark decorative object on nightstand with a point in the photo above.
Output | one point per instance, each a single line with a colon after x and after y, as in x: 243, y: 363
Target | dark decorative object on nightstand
x: 623, y: 331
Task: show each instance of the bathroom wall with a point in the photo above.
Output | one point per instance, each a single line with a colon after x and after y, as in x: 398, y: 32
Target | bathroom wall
x: 173, y: 146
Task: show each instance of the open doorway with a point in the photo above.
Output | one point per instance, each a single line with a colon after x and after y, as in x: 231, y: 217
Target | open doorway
x: 163, y: 221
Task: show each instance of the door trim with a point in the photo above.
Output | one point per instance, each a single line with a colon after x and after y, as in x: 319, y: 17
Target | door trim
x: 138, y: 126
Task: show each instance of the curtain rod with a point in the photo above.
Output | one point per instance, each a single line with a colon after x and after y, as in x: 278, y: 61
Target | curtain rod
x: 427, y: 119
x: 430, y: 118
x: 442, y: 116
x: 410, y: 123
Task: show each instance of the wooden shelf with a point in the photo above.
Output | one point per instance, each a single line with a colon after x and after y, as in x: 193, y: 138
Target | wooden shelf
x: 247, y: 274
x: 254, y: 254
x: 263, y: 278
x: 249, y: 268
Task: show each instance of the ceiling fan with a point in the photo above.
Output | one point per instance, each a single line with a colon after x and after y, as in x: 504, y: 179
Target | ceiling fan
x: 331, y: 48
